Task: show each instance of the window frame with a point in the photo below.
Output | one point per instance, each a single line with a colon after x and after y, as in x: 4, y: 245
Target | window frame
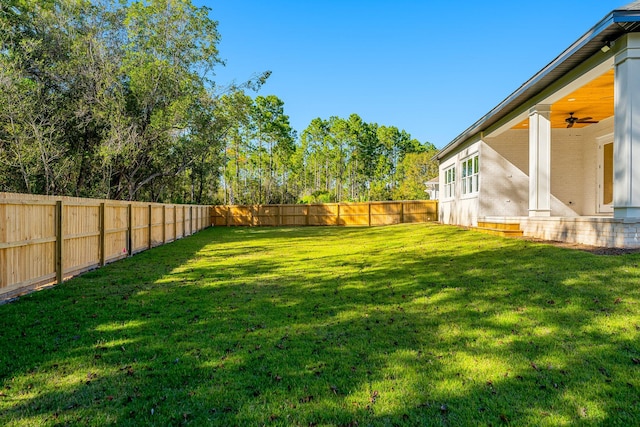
x: 470, y: 180
x: 449, y: 190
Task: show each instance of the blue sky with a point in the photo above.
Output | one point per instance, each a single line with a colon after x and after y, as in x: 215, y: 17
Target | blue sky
x: 431, y: 68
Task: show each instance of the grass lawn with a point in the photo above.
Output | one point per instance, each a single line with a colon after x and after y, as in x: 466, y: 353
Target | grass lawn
x: 402, y: 325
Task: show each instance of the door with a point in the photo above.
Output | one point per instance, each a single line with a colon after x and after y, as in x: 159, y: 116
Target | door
x: 605, y: 177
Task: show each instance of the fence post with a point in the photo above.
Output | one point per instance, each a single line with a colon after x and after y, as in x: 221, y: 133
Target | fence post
x: 129, y: 230
x: 306, y: 219
x: 164, y: 224
x: 102, y: 235
x: 402, y: 212
x: 369, y: 214
x: 190, y: 220
x: 149, y: 231
x: 4, y: 279
x: 253, y: 214
x: 338, y: 217
x: 59, y: 243
x: 175, y: 223
x: 184, y: 222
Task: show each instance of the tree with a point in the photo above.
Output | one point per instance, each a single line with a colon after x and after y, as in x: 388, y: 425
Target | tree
x: 234, y: 111
x: 170, y: 49
x: 273, y: 130
x: 108, y: 99
x: 414, y: 170
x: 349, y: 159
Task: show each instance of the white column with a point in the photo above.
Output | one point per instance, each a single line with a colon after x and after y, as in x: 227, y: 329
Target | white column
x: 540, y: 161
x: 626, y: 139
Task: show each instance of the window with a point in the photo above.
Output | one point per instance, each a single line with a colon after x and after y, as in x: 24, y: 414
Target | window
x: 449, y: 182
x: 470, y: 175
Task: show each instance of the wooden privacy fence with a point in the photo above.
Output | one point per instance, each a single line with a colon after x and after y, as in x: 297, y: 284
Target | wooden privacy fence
x: 44, y: 239
x: 344, y: 214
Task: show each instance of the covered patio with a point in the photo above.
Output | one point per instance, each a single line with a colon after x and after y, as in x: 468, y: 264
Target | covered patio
x: 560, y: 157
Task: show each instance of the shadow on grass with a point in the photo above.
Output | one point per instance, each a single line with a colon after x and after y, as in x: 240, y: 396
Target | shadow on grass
x: 402, y: 325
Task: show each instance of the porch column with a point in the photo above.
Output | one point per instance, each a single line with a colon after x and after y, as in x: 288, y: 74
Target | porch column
x: 626, y: 146
x: 540, y: 161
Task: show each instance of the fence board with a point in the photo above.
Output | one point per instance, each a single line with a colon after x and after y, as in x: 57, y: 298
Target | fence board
x: 344, y: 214
x: 36, y: 251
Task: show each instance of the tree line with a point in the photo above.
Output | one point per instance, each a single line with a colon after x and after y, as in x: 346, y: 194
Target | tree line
x: 117, y: 100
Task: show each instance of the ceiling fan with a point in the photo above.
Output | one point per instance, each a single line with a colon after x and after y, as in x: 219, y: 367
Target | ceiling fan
x: 573, y: 120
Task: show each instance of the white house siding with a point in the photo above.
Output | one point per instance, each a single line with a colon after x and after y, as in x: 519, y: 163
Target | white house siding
x: 505, y: 186
x: 505, y: 169
x: 567, y: 171
x: 459, y: 210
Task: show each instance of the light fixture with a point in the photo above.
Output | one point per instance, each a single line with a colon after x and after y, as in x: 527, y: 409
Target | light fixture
x: 607, y: 46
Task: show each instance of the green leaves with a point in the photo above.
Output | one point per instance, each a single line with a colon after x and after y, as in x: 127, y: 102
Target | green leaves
x: 109, y: 96
x: 349, y: 159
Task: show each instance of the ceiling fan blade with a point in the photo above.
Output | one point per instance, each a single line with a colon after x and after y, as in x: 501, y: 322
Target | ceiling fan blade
x: 570, y: 125
x: 584, y: 119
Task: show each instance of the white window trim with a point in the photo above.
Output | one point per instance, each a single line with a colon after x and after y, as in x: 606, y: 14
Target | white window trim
x: 473, y: 179
x: 449, y: 188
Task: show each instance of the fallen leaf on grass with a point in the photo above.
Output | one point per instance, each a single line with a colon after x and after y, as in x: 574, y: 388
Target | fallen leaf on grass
x: 635, y: 360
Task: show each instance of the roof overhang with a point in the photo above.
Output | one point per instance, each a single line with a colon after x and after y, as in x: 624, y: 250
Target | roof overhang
x: 610, y: 28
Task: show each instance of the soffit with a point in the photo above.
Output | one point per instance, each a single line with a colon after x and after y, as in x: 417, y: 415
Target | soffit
x: 595, y: 99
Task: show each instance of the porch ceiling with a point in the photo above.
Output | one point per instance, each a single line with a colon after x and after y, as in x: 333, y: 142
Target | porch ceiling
x: 595, y: 99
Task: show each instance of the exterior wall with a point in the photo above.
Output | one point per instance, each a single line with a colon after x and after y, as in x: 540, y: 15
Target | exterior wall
x: 459, y: 210
x: 567, y: 171
x: 574, y: 169
x: 505, y: 187
x: 595, y: 231
x: 504, y: 168
x: 505, y: 161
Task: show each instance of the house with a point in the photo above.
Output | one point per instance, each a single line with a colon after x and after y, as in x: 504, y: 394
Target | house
x: 433, y: 188
x: 559, y: 157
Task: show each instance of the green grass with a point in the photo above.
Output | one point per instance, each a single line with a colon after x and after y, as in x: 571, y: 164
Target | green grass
x: 403, y: 325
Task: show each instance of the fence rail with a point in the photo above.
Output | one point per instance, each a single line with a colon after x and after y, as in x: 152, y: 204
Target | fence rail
x: 45, y: 239
x: 341, y: 214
